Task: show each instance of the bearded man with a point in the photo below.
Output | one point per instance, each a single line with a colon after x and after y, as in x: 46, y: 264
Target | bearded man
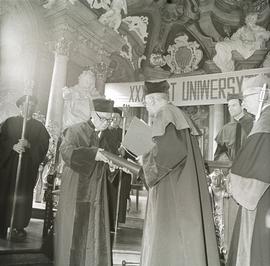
x: 179, y: 228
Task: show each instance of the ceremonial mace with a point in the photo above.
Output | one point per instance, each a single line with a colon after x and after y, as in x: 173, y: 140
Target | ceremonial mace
x: 124, y: 115
x: 261, y: 100
x: 19, y: 166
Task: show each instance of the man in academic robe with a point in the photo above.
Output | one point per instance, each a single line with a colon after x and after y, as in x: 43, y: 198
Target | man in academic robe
x: 82, y: 220
x: 249, y: 183
x: 230, y: 139
x: 233, y: 134
x: 179, y: 228
x: 33, y: 147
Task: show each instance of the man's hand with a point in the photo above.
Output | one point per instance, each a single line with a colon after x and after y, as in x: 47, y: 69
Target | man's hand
x: 18, y: 148
x: 101, y: 157
x: 21, y: 145
x: 25, y: 143
x: 121, y: 151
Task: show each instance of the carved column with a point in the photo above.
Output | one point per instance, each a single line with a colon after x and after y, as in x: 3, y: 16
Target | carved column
x: 216, y: 122
x: 55, y: 105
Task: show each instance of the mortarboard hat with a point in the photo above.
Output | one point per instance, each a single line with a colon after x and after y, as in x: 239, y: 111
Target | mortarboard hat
x: 22, y: 99
x: 117, y: 110
x: 103, y: 105
x: 156, y: 87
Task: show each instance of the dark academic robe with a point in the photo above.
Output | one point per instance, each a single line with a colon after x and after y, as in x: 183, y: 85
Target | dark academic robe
x: 38, y: 137
x: 250, y: 180
x: 179, y: 228
x: 230, y: 139
x: 82, y: 220
x: 114, y: 138
x: 232, y: 136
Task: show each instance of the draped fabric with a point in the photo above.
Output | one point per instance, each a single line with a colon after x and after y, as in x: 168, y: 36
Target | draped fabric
x: 238, y: 133
x: 38, y: 138
x: 251, y: 174
x: 82, y: 221
x: 229, y: 141
x: 179, y: 228
x: 114, y: 138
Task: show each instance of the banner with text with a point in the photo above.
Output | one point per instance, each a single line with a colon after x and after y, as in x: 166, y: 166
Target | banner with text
x: 189, y: 90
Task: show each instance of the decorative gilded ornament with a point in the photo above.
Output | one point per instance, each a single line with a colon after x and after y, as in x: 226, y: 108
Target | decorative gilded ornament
x: 184, y: 56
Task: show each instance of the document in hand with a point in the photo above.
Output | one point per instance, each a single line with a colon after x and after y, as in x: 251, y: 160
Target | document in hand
x: 138, y: 138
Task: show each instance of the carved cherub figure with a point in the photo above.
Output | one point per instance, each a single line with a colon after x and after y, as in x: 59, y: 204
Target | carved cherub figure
x: 246, y: 40
x: 77, y: 99
x: 113, y: 17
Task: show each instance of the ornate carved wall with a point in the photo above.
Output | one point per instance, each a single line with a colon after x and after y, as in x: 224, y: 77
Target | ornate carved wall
x: 148, y: 44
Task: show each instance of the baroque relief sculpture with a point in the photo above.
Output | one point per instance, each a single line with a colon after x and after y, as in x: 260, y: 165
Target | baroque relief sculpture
x: 179, y: 10
x: 139, y: 25
x: 77, y: 106
x: 245, y: 41
x: 184, y: 56
x: 99, y: 4
x: 50, y: 3
x: 112, y: 17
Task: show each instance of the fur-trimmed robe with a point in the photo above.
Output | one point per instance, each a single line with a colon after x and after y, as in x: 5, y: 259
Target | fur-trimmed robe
x: 82, y: 221
x: 179, y: 228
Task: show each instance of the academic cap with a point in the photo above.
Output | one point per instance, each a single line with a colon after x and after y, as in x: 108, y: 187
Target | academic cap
x: 22, y: 99
x: 156, y: 87
x: 117, y: 110
x: 103, y: 105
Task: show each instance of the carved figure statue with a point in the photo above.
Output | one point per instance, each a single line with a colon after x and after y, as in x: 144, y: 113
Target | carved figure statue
x: 112, y: 17
x: 99, y: 4
x: 77, y: 99
x: 245, y: 41
x: 50, y: 3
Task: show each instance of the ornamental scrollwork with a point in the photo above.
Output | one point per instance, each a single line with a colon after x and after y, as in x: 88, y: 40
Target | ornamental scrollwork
x: 182, y: 56
x: 138, y: 25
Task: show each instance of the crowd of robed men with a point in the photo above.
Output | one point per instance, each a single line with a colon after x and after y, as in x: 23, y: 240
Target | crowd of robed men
x: 179, y: 228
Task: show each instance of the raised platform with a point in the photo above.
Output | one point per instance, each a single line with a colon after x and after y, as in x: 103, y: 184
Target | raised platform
x: 25, y: 259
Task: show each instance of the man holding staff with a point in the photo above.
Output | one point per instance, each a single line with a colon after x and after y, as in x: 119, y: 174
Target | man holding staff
x: 33, y: 147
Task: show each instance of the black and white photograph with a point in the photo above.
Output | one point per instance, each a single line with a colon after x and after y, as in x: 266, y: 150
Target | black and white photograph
x: 135, y: 133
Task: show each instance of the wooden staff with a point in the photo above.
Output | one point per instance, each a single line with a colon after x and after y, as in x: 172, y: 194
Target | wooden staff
x: 19, y: 166
x: 124, y: 115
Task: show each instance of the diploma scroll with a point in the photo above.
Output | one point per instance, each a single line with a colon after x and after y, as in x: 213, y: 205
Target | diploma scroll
x: 122, y: 163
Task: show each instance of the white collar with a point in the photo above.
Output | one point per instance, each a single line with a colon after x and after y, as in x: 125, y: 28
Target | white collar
x: 238, y: 117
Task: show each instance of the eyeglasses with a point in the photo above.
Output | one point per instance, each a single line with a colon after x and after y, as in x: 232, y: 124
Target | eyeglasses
x: 104, y: 119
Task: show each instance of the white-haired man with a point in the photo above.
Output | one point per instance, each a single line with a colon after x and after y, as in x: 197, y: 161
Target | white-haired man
x: 179, y: 228
x: 250, y: 180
